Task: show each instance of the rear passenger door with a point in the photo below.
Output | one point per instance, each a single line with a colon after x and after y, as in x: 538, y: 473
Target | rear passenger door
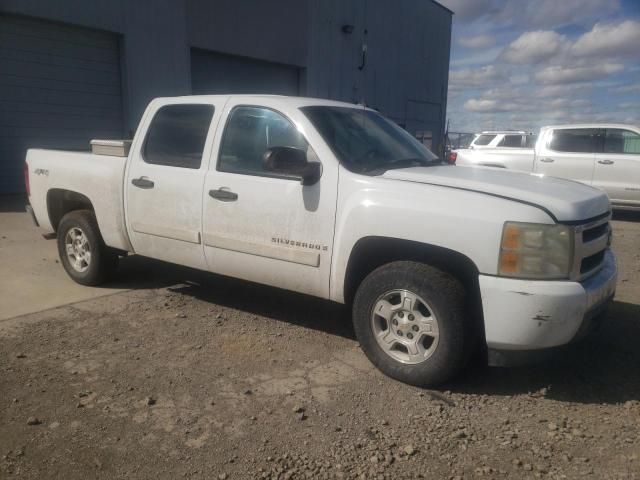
x: 617, y: 167
x: 568, y: 153
x: 164, y: 179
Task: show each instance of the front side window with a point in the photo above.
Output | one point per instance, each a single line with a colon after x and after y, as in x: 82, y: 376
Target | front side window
x: 366, y: 142
x: 512, y: 141
x: 484, y: 139
x: 177, y: 135
x: 573, y: 140
x: 621, y: 141
x: 249, y: 133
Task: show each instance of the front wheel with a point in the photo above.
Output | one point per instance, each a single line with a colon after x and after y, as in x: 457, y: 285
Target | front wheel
x: 410, y: 320
x: 84, y: 256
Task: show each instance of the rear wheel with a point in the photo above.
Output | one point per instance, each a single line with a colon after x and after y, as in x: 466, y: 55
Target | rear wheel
x: 410, y: 320
x: 83, y: 254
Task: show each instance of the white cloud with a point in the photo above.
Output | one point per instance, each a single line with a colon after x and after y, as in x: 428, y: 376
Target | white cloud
x: 479, y: 57
x: 534, y: 47
x: 559, y: 74
x: 538, y: 14
x: 609, y: 40
x: 569, y: 103
x: 477, y: 41
x: 483, y: 105
x: 560, y: 90
x: 478, y: 77
x: 555, y: 13
x: 633, y: 88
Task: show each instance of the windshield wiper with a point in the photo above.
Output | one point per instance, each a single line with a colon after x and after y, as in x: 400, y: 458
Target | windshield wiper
x: 402, y: 163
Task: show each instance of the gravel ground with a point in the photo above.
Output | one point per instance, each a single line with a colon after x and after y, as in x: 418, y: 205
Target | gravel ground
x: 214, y: 378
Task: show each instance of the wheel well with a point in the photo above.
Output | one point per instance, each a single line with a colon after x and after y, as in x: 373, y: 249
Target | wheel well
x: 60, y: 202
x: 372, y: 252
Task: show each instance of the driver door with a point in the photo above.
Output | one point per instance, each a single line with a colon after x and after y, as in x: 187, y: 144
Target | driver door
x: 266, y: 227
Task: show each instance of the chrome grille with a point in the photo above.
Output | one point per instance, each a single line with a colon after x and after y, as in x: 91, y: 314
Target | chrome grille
x: 591, y: 241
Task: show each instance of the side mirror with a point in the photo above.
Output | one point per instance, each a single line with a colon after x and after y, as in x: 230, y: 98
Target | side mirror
x: 292, y: 162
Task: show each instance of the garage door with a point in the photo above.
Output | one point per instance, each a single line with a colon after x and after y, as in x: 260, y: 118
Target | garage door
x: 213, y: 73
x: 59, y: 87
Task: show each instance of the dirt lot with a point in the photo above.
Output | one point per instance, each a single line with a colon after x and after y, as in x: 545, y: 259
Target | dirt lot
x: 213, y: 378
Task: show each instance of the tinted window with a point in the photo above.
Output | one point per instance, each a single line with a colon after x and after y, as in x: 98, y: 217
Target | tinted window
x: 484, y: 139
x: 177, y: 135
x: 249, y: 133
x: 365, y: 141
x: 621, y: 141
x: 514, y: 141
x: 576, y: 140
x: 530, y: 141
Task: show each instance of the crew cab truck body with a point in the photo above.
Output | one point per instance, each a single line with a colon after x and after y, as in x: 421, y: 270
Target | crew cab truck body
x: 606, y: 156
x: 332, y: 200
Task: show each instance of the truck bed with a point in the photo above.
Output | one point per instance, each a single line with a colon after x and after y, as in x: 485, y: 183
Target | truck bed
x: 99, y: 177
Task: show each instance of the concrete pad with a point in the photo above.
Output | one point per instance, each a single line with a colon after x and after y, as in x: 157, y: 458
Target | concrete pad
x: 32, y: 279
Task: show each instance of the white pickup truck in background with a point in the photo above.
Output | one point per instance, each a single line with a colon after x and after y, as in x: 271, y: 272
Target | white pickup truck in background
x: 333, y: 200
x: 604, y: 156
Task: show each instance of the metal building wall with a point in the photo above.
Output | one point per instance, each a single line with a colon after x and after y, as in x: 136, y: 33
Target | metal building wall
x: 405, y: 74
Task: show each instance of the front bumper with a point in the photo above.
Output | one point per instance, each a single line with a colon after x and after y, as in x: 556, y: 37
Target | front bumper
x: 529, y: 315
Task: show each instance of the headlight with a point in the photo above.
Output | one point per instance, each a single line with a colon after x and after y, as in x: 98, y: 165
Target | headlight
x: 535, y: 251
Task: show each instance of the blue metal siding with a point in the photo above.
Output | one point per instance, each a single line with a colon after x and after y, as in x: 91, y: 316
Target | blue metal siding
x: 59, y: 87
x: 213, y: 72
x: 405, y: 75
x: 407, y: 61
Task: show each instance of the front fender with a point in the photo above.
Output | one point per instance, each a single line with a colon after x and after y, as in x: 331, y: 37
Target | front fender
x: 466, y: 222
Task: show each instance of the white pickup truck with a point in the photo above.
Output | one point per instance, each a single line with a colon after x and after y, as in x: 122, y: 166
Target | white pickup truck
x: 333, y: 200
x: 606, y: 156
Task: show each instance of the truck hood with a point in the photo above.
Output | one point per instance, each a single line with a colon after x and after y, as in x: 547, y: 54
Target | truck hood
x: 564, y: 200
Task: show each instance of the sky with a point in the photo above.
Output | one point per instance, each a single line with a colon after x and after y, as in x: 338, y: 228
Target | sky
x: 522, y: 64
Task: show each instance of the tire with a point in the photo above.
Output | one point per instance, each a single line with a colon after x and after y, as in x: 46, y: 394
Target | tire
x: 422, y: 299
x: 79, y: 229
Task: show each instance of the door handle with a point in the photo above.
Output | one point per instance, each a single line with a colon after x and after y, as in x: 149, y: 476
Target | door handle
x: 547, y: 160
x: 606, y: 162
x: 223, y: 195
x: 142, y: 182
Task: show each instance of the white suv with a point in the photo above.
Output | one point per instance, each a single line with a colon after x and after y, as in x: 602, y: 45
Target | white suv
x: 504, y: 139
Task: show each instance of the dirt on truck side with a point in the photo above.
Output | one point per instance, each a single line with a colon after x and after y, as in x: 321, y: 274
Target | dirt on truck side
x: 214, y: 378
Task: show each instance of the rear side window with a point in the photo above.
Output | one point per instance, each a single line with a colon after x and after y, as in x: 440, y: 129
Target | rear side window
x: 513, y: 141
x: 484, y: 139
x: 621, y: 141
x: 573, y: 140
x: 177, y: 135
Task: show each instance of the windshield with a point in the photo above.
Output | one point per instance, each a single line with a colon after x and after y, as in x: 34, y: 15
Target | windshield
x: 366, y: 142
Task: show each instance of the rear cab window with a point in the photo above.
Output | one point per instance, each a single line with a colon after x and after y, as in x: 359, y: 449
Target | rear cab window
x: 177, y: 134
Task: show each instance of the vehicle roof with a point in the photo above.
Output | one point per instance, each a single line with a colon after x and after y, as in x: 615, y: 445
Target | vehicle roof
x: 289, y: 100
x: 590, y: 125
x: 505, y: 132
